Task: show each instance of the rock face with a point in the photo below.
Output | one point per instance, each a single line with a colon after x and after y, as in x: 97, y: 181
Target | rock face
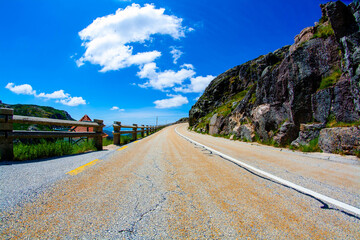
x: 340, y: 140
x: 314, y: 80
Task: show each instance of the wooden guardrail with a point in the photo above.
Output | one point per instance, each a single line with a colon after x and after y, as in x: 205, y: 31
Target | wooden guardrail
x: 143, y: 129
x: 8, y: 134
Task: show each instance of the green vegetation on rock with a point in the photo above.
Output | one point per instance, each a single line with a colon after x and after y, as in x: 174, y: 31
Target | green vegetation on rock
x: 323, y: 31
x: 253, y: 98
x: 313, y: 146
x: 331, y: 122
x: 239, y: 96
x: 225, y: 109
x: 330, y: 80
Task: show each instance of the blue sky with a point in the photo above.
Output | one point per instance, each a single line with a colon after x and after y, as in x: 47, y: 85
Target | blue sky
x: 132, y: 61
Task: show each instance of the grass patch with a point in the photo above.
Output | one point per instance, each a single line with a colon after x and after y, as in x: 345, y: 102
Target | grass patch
x: 233, y: 80
x: 323, y: 31
x: 81, y: 147
x: 239, y: 96
x: 107, y: 141
x: 313, y: 146
x: 330, y: 80
x: 253, y: 98
x: 331, y: 122
x: 46, y: 149
x: 334, y: 123
x: 225, y: 109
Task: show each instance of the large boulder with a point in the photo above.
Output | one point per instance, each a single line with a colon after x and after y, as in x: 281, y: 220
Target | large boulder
x: 307, y: 133
x: 287, y: 133
x: 341, y: 18
x: 246, y: 132
x: 268, y: 118
x: 340, y: 140
x: 213, y: 128
x: 305, y: 35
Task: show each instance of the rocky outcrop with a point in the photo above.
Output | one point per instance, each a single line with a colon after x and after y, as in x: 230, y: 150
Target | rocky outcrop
x: 344, y: 140
x: 182, y: 120
x: 307, y: 133
x: 246, y: 132
x: 287, y: 132
x: 213, y: 126
x: 313, y: 80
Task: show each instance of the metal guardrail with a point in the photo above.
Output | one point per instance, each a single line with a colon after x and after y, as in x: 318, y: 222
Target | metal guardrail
x: 7, y: 134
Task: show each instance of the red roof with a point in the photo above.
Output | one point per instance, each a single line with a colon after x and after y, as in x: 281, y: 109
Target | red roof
x: 85, y: 118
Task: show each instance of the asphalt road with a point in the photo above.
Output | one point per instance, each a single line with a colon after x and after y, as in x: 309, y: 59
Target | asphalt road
x: 165, y: 187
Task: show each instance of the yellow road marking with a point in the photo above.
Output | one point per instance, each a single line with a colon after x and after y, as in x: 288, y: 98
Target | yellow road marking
x: 82, y: 168
x: 136, y: 141
x: 122, y: 148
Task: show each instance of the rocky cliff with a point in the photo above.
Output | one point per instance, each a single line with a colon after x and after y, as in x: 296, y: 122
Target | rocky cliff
x: 294, y: 91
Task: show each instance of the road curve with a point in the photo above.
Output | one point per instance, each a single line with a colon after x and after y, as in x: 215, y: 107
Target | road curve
x: 163, y: 186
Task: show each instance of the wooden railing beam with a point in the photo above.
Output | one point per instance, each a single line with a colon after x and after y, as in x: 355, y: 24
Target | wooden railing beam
x: 50, y: 121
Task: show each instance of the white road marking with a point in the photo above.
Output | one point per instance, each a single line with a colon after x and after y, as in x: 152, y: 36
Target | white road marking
x: 280, y: 180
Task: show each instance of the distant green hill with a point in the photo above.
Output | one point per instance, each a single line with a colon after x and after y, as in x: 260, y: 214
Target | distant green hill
x: 36, y: 111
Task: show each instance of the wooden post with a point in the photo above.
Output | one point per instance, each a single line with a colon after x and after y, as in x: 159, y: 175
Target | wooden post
x: 116, y: 132
x: 143, y: 131
x: 6, y: 128
x: 147, y: 130
x: 98, y: 139
x: 135, y: 132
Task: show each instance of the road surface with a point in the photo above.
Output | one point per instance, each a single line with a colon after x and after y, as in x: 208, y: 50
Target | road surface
x: 165, y: 187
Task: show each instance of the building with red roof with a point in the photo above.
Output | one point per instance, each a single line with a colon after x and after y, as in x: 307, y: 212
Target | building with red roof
x: 85, y: 118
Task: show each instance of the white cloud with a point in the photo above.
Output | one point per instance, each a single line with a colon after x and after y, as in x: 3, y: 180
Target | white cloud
x: 107, y: 38
x: 117, y: 108
x: 65, y: 98
x: 21, y: 89
x: 161, y: 80
x: 187, y: 65
x: 176, y: 54
x: 72, y: 101
x: 55, y: 95
x: 197, y: 85
x: 173, y: 101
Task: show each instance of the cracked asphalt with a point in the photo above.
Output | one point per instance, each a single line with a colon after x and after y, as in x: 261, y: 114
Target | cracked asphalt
x: 164, y: 187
